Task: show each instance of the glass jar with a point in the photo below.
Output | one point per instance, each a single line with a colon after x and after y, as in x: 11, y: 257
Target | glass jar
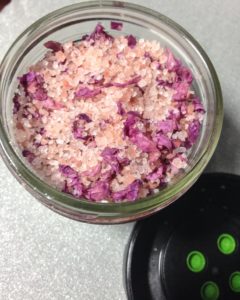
x: 70, y: 23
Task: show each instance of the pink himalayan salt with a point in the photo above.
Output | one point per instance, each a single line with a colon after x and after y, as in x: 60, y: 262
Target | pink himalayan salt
x: 107, y: 118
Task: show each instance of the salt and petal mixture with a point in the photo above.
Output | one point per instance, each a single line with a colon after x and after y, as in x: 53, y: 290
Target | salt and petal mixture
x: 107, y: 118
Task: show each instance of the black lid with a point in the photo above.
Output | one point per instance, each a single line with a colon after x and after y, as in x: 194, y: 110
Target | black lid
x: 190, y: 250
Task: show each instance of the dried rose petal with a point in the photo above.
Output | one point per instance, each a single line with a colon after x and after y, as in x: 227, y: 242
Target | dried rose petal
x: 67, y: 171
x: 16, y: 103
x: 163, y: 141
x: 132, y: 118
x: 134, y: 80
x: 110, y: 156
x: 99, y: 191
x: 193, y: 131
x: 92, y: 172
x: 120, y: 110
x: 143, y: 142
x: 84, y: 117
x: 77, y: 189
x: 54, y: 46
x: 167, y: 126
x: 98, y: 33
x: 65, y: 188
x: 164, y: 83
x: 86, y: 93
x: 78, y: 127
x: 157, y: 174
x: 34, y: 81
x: 130, y: 193
x: 198, y: 106
x: 184, y: 74
x: 28, y: 154
x: 51, y: 104
x: 148, y: 55
x: 42, y: 131
x: 172, y: 63
x: 116, y: 25
x: 181, y: 91
x: 132, y: 42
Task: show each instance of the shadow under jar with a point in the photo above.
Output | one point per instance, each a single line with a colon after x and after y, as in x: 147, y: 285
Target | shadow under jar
x: 69, y: 24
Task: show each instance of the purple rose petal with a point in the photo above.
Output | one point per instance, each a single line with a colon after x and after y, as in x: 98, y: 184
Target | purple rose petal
x: 157, y: 174
x: 163, y: 141
x: 198, y: 106
x: 134, y: 80
x: 110, y: 156
x: 184, y: 74
x: 172, y: 63
x: 167, y: 126
x: 16, y: 104
x: 67, y: 171
x: 132, y: 118
x: 78, y: 127
x: 93, y: 172
x: 54, y: 46
x: 193, y: 131
x: 98, y: 33
x: 116, y: 25
x: 77, y: 189
x: 99, y: 191
x: 86, y: 93
x: 28, y: 154
x: 36, y: 81
x: 181, y: 91
x: 130, y: 193
x: 143, y: 142
x: 132, y: 42
x: 120, y: 110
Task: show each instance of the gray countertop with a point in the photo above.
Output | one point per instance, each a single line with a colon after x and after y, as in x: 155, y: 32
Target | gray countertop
x: 46, y: 256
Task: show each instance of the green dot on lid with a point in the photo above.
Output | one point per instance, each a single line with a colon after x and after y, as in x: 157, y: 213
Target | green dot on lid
x: 210, y: 291
x: 234, y: 282
x: 196, y: 261
x: 226, y: 243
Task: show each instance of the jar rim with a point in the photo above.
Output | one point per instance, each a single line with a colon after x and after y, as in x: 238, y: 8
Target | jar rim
x: 124, y: 210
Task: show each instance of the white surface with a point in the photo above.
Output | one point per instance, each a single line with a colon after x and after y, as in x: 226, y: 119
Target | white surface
x: 46, y: 256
